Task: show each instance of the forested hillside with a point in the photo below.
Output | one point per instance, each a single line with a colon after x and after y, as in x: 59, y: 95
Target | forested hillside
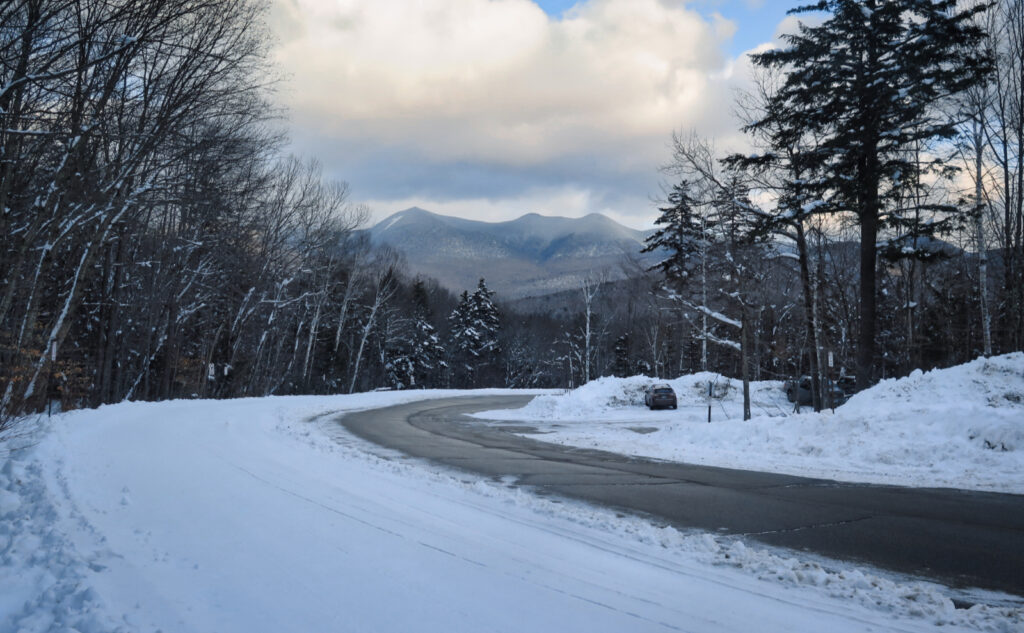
x: 156, y: 241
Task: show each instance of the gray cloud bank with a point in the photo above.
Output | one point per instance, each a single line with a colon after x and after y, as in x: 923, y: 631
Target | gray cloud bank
x: 491, y: 109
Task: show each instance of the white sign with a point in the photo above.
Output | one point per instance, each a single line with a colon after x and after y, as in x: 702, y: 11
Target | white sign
x: 831, y: 361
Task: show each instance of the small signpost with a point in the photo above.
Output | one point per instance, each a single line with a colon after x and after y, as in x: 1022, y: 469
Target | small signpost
x: 52, y: 388
x: 711, y: 394
x: 828, y: 383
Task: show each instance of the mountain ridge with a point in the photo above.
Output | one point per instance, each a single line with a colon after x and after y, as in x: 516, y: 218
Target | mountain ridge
x: 531, y: 255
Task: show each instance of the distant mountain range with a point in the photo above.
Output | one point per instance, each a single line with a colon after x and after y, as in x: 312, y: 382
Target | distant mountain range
x: 530, y: 256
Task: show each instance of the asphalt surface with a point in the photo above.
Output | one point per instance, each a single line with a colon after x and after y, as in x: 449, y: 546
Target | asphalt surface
x: 962, y: 538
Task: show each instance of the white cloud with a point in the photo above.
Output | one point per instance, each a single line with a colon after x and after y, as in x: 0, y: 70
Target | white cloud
x: 499, y: 82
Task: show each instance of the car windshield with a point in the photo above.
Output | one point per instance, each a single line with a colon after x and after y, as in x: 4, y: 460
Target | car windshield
x: 663, y: 391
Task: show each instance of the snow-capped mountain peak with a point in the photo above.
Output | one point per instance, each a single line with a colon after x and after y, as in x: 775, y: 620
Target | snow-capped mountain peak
x: 532, y: 255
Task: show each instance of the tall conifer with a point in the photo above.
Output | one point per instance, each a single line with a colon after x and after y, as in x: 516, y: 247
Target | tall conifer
x: 867, y: 82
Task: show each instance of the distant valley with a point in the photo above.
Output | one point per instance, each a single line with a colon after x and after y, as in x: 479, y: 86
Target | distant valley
x: 533, y: 255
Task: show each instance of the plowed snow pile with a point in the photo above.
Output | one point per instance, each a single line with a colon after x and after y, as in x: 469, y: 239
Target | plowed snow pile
x: 961, y: 427
x: 615, y: 398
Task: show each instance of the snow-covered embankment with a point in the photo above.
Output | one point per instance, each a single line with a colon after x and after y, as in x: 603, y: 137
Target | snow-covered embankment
x: 961, y: 427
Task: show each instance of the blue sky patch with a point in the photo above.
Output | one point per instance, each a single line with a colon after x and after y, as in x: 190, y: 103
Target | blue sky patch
x: 755, y: 20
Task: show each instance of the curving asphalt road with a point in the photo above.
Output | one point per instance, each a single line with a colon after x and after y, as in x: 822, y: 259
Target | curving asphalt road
x: 967, y: 539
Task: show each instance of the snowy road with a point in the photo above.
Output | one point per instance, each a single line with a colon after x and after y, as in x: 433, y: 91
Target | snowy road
x: 959, y: 537
x: 263, y: 514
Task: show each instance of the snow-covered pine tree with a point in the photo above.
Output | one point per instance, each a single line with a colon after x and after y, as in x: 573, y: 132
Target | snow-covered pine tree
x: 463, y: 340
x: 683, y: 237
x: 426, y: 352
x: 686, y: 238
x: 473, y: 335
x: 682, y: 228
x: 866, y: 82
x: 486, y: 323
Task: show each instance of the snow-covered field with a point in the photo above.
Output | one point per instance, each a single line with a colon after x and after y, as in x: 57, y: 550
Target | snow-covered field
x: 264, y: 515
x: 961, y: 427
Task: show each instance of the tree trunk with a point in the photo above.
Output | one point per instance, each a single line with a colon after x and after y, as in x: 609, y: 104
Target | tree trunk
x: 810, y: 313
x: 868, y: 251
x: 986, y: 319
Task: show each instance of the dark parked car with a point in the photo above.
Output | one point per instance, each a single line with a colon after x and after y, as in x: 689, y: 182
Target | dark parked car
x: 660, y: 396
x: 802, y: 389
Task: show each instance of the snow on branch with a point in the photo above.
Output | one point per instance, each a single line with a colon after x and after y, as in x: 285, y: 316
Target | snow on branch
x: 721, y: 341
x: 718, y: 316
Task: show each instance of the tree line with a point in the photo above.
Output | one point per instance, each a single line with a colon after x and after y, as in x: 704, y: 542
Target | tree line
x: 156, y: 240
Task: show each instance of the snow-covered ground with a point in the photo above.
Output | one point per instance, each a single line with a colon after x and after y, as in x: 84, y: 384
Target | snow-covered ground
x: 264, y: 515
x: 961, y: 427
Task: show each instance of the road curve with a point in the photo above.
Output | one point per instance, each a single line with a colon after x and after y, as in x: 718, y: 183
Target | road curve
x: 967, y: 539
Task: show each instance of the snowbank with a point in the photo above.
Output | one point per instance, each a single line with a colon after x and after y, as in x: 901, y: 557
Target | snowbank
x: 961, y: 427
x: 980, y: 404
x: 264, y: 515
x: 618, y: 398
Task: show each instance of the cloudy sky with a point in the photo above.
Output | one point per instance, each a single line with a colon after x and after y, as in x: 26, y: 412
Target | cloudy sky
x: 490, y: 109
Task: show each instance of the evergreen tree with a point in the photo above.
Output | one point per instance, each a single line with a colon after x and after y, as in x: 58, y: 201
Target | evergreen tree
x: 473, y: 335
x: 867, y: 82
x: 426, y: 352
x: 414, y: 357
x: 485, y: 323
x: 686, y: 237
x: 463, y: 341
x: 681, y: 232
